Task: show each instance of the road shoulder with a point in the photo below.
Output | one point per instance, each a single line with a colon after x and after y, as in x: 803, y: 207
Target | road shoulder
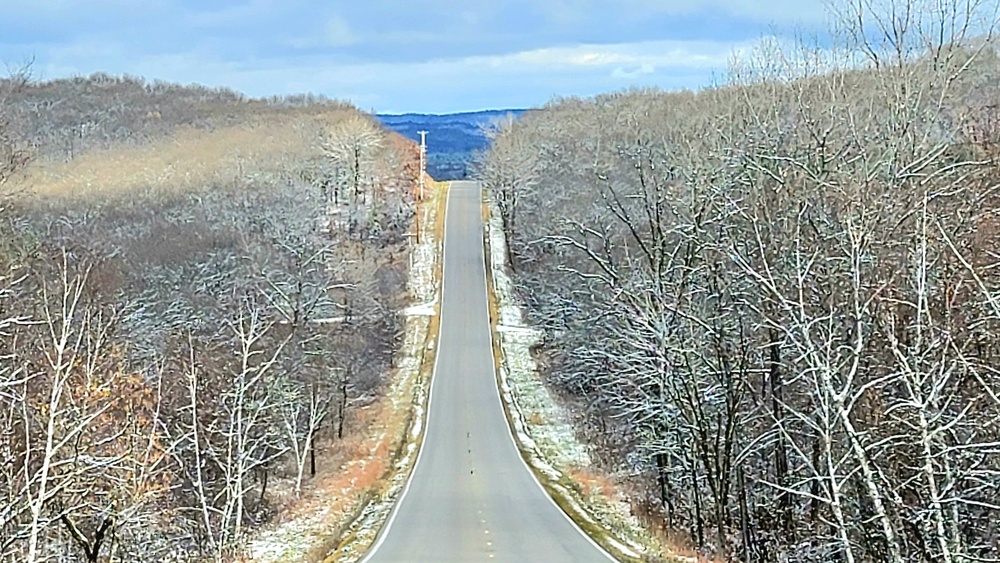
x: 542, y: 429
x: 347, y: 510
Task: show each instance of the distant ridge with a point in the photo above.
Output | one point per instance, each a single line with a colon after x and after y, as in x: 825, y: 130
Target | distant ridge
x: 452, y: 138
x: 460, y: 116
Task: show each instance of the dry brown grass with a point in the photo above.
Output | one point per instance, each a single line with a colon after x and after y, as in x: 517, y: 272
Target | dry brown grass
x: 592, y: 483
x: 360, y: 467
x: 364, y: 460
x: 351, y: 469
x: 187, y: 159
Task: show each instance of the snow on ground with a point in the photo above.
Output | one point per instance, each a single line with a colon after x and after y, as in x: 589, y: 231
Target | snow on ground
x: 424, y: 287
x: 423, y: 309
x: 292, y: 539
x: 541, y: 424
x: 518, y: 329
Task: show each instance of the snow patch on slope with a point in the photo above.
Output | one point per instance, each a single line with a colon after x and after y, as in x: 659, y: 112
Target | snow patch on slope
x: 294, y: 538
x: 541, y: 424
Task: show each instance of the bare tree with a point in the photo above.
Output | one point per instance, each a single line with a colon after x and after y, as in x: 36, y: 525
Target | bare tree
x: 771, y: 298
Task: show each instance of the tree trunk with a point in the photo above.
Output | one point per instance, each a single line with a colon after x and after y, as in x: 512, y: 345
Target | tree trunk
x: 699, y: 528
x: 744, y: 516
x: 661, y: 476
x: 312, y: 455
x: 91, y: 550
x: 263, y: 487
x: 342, y: 408
x: 780, y: 451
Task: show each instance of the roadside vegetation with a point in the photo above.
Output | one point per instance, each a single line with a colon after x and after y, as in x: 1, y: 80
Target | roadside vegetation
x: 199, y: 294
x: 774, y: 305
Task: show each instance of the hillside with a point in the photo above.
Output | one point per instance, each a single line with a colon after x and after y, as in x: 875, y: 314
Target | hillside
x: 452, y: 139
x: 197, y: 293
x: 773, y: 305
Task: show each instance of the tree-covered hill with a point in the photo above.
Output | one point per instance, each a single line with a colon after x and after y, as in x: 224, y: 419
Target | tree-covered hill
x: 452, y: 139
x: 199, y: 292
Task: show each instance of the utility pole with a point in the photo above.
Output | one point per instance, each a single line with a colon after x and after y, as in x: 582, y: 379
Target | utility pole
x: 423, y: 161
x: 420, y: 182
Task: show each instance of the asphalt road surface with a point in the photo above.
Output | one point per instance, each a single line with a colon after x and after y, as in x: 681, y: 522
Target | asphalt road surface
x: 471, y: 497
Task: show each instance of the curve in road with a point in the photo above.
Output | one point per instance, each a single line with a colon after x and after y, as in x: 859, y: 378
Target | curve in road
x: 471, y: 497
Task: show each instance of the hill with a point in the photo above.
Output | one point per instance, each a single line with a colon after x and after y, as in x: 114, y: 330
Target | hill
x: 206, y: 261
x: 767, y: 301
x: 452, y: 139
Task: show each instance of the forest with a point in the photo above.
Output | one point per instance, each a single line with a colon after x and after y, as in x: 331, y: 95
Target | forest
x: 774, y: 304
x: 196, y: 291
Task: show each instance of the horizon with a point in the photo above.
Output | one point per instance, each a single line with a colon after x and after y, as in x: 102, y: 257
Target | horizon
x: 460, y: 112
x: 152, y: 79
x: 436, y: 58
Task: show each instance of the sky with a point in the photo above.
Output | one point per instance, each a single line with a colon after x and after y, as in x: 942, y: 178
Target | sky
x: 393, y: 56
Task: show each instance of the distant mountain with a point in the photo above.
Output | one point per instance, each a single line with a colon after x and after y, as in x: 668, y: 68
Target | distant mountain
x: 452, y: 139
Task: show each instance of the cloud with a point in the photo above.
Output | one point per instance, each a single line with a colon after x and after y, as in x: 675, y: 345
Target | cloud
x: 335, y: 32
x: 633, y: 72
x: 338, y: 33
x: 235, y: 14
x: 430, y: 55
x: 765, y: 12
x: 519, y: 79
x: 643, y: 57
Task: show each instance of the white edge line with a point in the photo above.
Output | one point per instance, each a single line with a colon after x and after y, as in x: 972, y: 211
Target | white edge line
x: 384, y: 531
x: 496, y: 386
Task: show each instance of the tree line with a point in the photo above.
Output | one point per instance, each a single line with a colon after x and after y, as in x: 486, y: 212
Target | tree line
x: 775, y: 303
x: 66, y: 117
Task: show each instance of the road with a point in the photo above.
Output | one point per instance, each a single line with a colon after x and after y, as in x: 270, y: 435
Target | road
x: 470, y: 496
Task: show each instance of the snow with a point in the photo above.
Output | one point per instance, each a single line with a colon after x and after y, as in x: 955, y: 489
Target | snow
x: 542, y: 426
x: 418, y: 422
x: 423, y: 285
x: 622, y: 547
x: 424, y: 309
x: 526, y: 392
x: 330, y: 320
x: 519, y: 329
x: 292, y: 539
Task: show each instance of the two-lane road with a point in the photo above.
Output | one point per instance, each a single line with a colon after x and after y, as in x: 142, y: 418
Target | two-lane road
x: 471, y: 497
